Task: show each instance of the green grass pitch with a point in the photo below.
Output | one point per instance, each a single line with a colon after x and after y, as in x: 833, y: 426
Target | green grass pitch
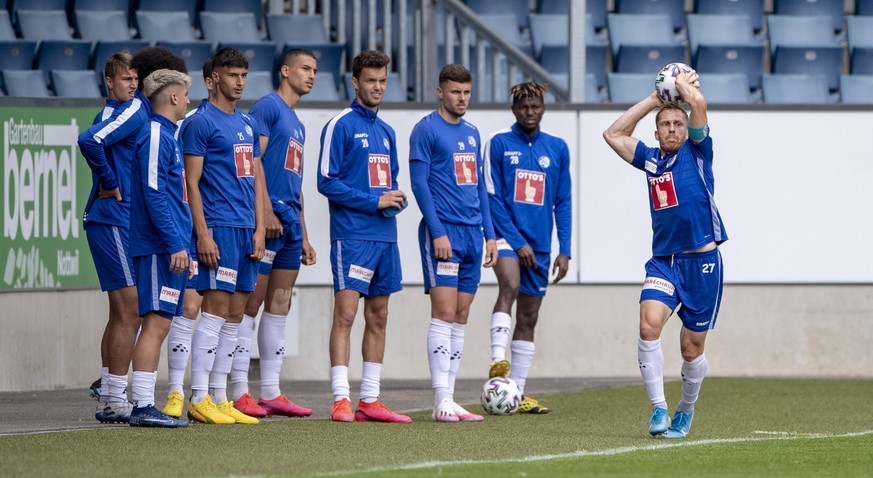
x: 742, y: 427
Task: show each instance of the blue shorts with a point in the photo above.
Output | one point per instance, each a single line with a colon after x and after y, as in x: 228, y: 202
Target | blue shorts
x: 464, y: 270
x: 693, y: 280
x: 532, y: 282
x: 158, y: 289
x: 283, y: 252
x: 236, y: 271
x: 369, y: 267
x: 110, y: 248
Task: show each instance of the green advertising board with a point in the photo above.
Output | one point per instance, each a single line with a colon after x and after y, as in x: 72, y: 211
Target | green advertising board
x: 45, y: 185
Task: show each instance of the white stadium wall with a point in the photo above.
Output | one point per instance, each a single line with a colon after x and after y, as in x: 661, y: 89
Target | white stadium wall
x: 791, y: 187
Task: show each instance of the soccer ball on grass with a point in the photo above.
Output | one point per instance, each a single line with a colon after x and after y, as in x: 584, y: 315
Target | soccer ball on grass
x: 665, y: 82
x: 501, y: 396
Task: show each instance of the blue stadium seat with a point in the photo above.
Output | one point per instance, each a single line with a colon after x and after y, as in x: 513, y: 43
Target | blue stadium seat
x: 25, y: 83
x: 753, y: 8
x: 856, y: 89
x: 642, y: 29
x: 723, y: 30
x: 75, y: 84
x: 229, y: 27
x: 801, y: 31
x: 101, y: 6
x: 164, y: 26
x: 107, y: 25
x: 796, y: 89
x: 258, y: 84
x: 555, y: 60
x: 731, y: 59
x: 630, y: 88
x: 595, y: 8
x: 324, y: 89
x: 194, y: 53
x: 554, y: 29
x: 832, y: 9
x: 297, y: 29
x: 63, y: 55
x: 647, y: 59
x: 674, y: 8
x: 189, y: 6
x: 7, y: 33
x: 197, y: 91
x: 861, y: 62
x: 17, y: 55
x: 519, y: 8
x: 255, y: 7
x: 725, y: 88
x: 859, y: 32
x: 329, y: 57
x: 261, y: 55
x: 17, y: 5
x: 506, y: 25
x: 863, y: 7
x: 105, y: 49
x: 593, y: 94
x: 827, y: 61
x: 38, y: 25
x: 393, y: 92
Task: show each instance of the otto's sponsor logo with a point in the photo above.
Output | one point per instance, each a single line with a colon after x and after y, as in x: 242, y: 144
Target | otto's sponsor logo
x: 379, y: 166
x: 243, y: 156
x: 294, y: 156
x: 170, y: 295
x: 447, y: 268
x: 269, y: 256
x: 659, y: 284
x: 465, y: 169
x: 530, y: 187
x: 360, y: 273
x: 663, y: 191
x: 226, y: 275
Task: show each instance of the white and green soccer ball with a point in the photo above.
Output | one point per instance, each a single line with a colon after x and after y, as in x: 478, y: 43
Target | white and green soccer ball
x: 665, y: 82
x: 501, y: 396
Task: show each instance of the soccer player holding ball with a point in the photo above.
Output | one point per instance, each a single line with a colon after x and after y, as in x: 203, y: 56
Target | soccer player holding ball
x: 686, y: 267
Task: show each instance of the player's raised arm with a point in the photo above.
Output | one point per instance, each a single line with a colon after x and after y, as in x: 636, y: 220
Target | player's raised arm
x: 688, y: 86
x: 619, y: 134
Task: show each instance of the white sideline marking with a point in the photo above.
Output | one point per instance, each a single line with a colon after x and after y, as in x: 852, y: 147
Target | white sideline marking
x: 607, y: 452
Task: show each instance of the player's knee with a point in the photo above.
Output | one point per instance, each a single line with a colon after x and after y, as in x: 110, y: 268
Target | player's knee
x: 280, y: 303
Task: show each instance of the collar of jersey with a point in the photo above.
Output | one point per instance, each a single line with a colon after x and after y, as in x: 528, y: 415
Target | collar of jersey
x: 363, y: 111
x: 521, y: 134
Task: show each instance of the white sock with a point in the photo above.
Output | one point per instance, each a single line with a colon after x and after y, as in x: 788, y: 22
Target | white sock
x: 242, y: 357
x: 501, y: 322
x: 692, y: 377
x: 223, y: 362
x: 203, y: 346
x: 339, y: 382
x: 370, y: 388
x: 115, y: 388
x: 651, y: 359
x: 143, y: 388
x: 522, y: 358
x: 439, y: 349
x: 179, y: 351
x: 457, y: 343
x: 271, y: 344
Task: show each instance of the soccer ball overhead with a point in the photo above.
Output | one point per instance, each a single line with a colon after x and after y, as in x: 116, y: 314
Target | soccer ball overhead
x: 501, y: 396
x: 665, y: 82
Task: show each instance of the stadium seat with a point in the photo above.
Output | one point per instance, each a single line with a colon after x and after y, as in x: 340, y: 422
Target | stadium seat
x: 856, y: 89
x: 189, y: 6
x: 25, y: 83
x: 197, y: 91
x: 595, y: 8
x: 42, y: 5
x: 861, y: 62
x: 324, y: 89
x: 105, y: 49
x: 393, y: 92
x: 507, y: 26
x: 38, y: 25
x: 63, y: 55
x: 801, y: 31
x: 647, y: 59
x: 75, y: 84
x: 194, y: 53
x: 229, y: 27
x: 731, y: 59
x: 17, y: 55
x: 519, y: 8
x: 593, y: 94
x: 753, y: 8
x: 258, y: 84
x: 827, y: 61
x: 329, y: 57
x: 725, y: 88
x: 261, y: 55
x: 102, y: 6
x: 722, y: 30
x: 832, y: 9
x: 674, y: 8
x: 164, y: 26
x: 555, y: 59
x: 863, y: 8
x: 297, y: 29
x: 630, y: 88
x: 859, y: 32
x: 106, y: 25
x: 642, y: 29
x: 554, y: 29
x: 236, y: 6
x: 7, y: 33
x: 795, y: 89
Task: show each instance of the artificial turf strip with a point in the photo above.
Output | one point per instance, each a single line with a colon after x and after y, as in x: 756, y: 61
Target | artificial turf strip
x: 599, y: 420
